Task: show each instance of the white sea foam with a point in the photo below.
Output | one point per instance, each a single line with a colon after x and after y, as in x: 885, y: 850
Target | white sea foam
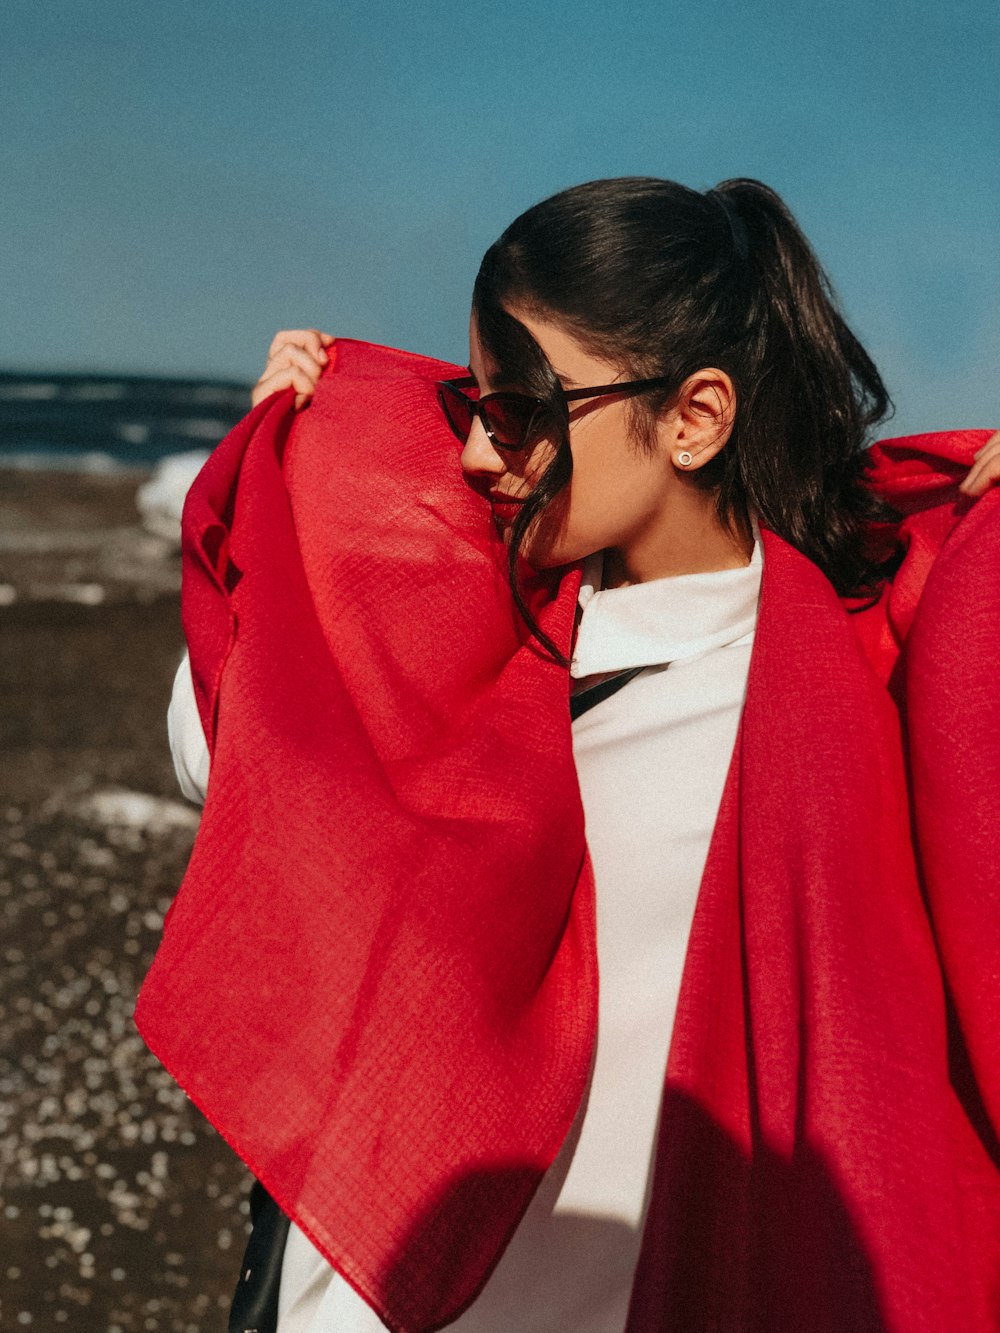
x: 28, y: 391
x: 201, y: 428
x: 96, y: 392
x: 161, y: 499
x: 132, y: 432
x: 94, y: 461
x: 84, y: 594
x: 137, y: 809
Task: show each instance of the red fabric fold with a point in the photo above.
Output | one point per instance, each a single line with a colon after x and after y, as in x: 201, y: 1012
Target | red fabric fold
x: 810, y: 1170
x: 953, y: 716
x: 379, y: 979
x: 919, y: 475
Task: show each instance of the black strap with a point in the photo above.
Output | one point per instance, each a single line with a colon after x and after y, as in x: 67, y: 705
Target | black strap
x: 255, y: 1305
x: 584, y: 700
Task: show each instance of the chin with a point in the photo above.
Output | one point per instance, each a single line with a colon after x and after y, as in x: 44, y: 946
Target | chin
x: 555, y: 555
x: 549, y: 546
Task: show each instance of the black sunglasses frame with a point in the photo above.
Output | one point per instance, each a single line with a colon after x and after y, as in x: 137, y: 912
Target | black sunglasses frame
x: 478, y: 407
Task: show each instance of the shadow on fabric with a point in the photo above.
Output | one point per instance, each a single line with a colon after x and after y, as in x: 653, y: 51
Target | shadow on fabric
x: 733, y: 1246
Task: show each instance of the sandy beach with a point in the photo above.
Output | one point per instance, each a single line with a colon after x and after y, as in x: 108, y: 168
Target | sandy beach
x: 121, y: 1209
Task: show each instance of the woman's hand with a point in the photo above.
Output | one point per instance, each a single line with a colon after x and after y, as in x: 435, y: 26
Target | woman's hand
x: 985, y: 471
x: 295, y: 360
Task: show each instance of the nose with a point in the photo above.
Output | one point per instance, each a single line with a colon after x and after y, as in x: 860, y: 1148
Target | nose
x: 479, y: 458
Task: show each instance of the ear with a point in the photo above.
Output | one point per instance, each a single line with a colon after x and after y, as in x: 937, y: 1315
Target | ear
x: 700, y: 420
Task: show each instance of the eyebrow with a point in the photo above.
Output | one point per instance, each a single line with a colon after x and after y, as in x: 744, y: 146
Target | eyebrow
x: 567, y: 381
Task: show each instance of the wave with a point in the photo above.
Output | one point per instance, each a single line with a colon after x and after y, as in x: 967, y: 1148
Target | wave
x: 105, y: 423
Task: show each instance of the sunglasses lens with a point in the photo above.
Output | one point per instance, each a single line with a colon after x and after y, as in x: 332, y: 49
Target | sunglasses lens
x: 505, y: 418
x: 513, y: 420
x: 457, y: 410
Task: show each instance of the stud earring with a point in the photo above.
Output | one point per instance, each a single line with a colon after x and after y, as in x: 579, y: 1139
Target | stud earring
x: 684, y: 458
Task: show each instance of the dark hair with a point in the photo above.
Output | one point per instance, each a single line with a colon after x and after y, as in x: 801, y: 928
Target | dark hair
x: 663, y: 281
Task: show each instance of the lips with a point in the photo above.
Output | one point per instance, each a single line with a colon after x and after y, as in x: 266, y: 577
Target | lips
x: 505, y: 507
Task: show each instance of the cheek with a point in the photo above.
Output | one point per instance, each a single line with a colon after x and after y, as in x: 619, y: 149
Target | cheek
x: 609, y: 494
x: 548, y: 543
x: 614, y: 489
x: 578, y: 522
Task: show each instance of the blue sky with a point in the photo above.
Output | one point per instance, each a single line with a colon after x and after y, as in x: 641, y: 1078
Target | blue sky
x: 182, y: 179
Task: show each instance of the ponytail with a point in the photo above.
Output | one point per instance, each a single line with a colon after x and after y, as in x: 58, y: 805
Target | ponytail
x: 811, y: 396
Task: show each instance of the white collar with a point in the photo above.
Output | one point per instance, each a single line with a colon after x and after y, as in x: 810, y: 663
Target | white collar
x: 647, y: 624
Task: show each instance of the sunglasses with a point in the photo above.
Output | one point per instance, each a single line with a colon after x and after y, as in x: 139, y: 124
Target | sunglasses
x: 516, y: 420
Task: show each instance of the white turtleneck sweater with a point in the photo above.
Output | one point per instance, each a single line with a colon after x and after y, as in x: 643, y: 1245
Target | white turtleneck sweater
x: 651, y: 761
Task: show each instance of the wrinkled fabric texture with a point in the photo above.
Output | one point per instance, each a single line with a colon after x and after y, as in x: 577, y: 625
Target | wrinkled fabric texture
x: 413, y: 867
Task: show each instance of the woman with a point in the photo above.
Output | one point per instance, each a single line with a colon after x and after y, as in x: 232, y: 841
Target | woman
x: 663, y: 391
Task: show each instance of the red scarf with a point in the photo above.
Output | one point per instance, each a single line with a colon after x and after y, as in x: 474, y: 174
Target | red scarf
x: 379, y: 978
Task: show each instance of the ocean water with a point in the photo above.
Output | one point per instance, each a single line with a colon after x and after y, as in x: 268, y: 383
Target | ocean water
x: 106, y: 423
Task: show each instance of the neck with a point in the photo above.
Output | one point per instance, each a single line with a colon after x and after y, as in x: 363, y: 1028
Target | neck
x: 685, y: 537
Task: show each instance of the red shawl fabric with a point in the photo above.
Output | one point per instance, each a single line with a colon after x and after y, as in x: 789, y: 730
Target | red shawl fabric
x: 379, y: 977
